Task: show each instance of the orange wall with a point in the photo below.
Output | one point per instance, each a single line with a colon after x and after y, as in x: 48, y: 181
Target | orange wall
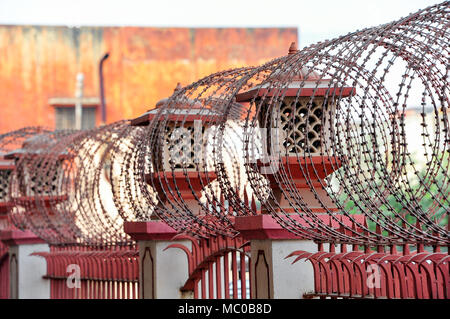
x: 40, y: 62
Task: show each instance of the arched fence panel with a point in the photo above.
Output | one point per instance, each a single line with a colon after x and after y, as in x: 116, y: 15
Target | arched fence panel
x: 219, y: 267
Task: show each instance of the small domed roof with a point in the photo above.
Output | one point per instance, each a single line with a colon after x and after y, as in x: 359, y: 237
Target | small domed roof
x: 182, y: 102
x: 304, y: 74
x: 292, y: 79
x: 39, y: 144
x: 181, y: 109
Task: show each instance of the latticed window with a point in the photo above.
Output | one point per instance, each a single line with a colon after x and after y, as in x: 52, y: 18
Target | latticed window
x: 4, y: 184
x: 181, y: 146
x: 32, y: 183
x: 299, y: 123
x: 180, y: 143
x: 44, y: 185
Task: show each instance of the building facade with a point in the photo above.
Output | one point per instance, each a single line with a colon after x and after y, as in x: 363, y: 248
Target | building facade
x: 39, y: 66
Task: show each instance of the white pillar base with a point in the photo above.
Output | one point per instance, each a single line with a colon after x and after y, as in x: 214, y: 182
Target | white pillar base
x: 162, y: 272
x: 26, y: 272
x: 276, y: 277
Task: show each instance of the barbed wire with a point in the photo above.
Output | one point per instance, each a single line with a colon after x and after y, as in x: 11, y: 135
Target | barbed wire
x: 321, y: 139
x: 329, y: 122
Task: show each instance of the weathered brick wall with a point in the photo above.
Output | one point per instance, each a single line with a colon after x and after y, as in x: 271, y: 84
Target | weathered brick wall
x: 40, y: 62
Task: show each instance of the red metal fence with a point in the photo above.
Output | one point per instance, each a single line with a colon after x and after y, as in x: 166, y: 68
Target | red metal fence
x: 104, y: 273
x: 219, y: 267
x: 4, y: 271
x: 363, y: 273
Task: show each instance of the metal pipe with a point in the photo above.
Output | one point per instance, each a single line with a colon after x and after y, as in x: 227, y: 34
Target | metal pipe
x: 102, y: 93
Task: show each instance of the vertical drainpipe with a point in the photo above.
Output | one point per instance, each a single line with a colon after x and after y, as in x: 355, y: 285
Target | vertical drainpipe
x: 102, y: 93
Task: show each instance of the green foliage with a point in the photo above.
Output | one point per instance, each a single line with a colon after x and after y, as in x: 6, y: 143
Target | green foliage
x: 393, y: 207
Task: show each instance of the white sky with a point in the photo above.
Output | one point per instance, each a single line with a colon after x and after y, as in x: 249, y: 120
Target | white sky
x: 316, y: 20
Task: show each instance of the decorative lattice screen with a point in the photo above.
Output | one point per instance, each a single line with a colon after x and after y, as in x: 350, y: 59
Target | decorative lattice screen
x: 181, y: 146
x: 4, y: 184
x: 32, y: 183
x: 299, y: 123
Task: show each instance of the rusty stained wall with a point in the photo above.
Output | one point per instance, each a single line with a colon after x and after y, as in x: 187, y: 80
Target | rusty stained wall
x: 40, y: 62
